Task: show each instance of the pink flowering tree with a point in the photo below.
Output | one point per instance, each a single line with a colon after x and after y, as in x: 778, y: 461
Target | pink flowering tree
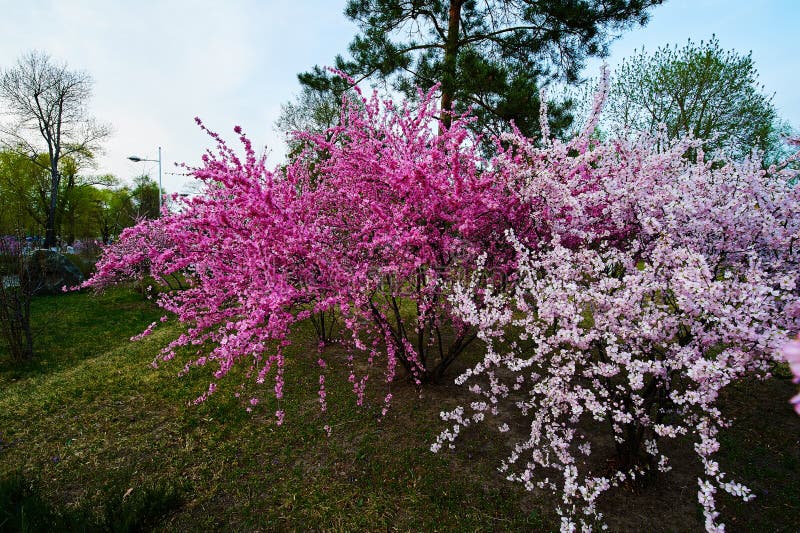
x: 413, y: 210
x: 131, y: 257
x: 374, y: 222
x: 657, y: 283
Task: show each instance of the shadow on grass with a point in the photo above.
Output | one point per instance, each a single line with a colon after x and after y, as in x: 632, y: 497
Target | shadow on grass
x: 23, y: 509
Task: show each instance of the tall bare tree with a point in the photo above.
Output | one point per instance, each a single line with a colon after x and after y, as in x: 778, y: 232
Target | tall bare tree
x: 46, y: 109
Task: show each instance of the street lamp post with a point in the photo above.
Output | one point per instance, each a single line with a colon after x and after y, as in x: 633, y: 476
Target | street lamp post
x: 137, y: 159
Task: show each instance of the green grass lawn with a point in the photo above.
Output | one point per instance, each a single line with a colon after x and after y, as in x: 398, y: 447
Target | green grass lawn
x: 95, y: 436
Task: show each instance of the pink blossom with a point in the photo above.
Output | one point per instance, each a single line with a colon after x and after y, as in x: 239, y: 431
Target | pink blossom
x: 791, y: 351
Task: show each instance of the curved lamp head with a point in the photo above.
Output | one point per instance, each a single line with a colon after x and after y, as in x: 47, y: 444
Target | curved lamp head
x: 135, y: 159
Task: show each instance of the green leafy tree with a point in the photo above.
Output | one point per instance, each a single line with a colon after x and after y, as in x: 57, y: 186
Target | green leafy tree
x: 145, y: 197
x: 25, y: 194
x: 22, y: 204
x: 314, y: 110
x: 699, y: 90
x: 490, y: 55
x: 114, y: 211
x: 47, y: 109
x: 79, y: 204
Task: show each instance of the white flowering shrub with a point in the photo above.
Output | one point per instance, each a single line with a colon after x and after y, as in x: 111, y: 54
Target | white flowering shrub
x: 663, y: 281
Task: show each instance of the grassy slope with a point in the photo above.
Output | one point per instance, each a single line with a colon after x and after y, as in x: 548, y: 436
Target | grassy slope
x: 90, y: 413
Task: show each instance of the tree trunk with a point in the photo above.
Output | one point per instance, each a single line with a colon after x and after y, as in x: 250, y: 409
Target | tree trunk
x: 450, y: 63
x: 50, y: 224
x: 324, y: 323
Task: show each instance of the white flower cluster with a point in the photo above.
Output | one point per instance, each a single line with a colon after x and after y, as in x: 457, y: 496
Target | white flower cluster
x: 657, y: 283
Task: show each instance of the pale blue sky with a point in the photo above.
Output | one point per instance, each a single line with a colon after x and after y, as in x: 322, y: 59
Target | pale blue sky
x: 158, y: 64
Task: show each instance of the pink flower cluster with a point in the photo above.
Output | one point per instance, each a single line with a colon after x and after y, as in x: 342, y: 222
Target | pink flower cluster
x: 659, y: 282
x: 373, y: 222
